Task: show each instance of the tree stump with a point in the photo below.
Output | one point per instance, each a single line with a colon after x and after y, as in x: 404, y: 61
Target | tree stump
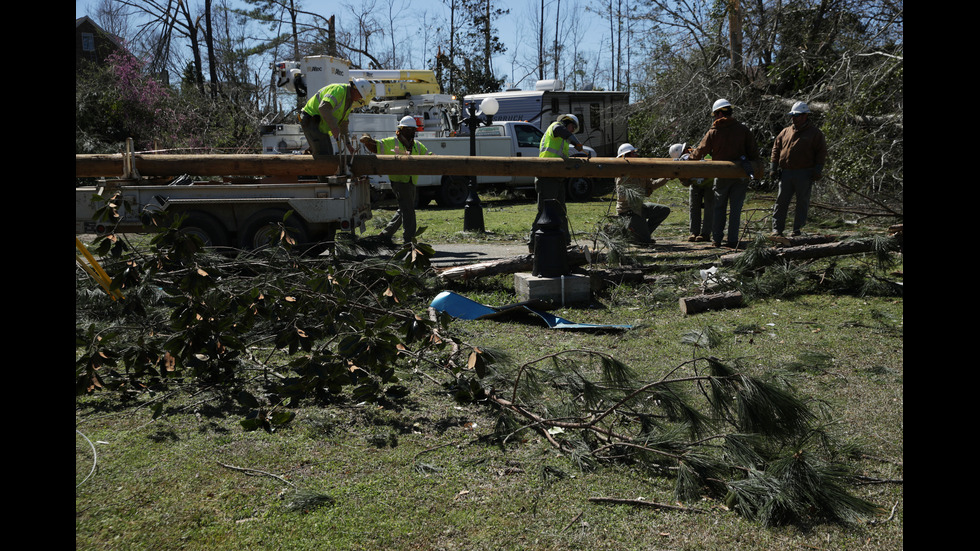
x: 718, y: 301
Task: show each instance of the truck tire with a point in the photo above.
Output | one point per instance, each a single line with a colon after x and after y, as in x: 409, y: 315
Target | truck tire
x: 206, y: 227
x: 256, y: 233
x: 453, y: 192
x: 579, y: 189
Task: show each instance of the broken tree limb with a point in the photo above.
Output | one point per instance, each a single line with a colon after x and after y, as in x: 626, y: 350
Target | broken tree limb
x: 717, y: 301
x: 809, y: 252
x: 643, y: 503
x: 89, y: 166
x: 801, y: 240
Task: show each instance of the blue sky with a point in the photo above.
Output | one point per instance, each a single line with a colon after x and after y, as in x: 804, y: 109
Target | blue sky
x: 514, y: 32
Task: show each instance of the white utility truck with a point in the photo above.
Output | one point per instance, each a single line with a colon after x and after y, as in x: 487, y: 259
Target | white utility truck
x: 229, y: 214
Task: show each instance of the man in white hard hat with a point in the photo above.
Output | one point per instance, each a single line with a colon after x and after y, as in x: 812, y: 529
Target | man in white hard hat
x: 643, y: 217
x: 556, y: 142
x: 798, y: 156
x: 727, y: 140
x: 326, y: 115
x: 402, y: 143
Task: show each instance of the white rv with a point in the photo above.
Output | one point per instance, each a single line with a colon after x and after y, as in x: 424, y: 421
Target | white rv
x: 603, y: 126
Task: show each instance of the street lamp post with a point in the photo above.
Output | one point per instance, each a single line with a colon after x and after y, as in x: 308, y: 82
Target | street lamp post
x: 473, y: 211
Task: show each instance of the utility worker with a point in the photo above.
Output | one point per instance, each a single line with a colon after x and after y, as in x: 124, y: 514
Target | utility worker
x: 727, y: 140
x: 701, y: 199
x: 555, y: 143
x: 402, y: 143
x: 326, y: 114
x: 798, y: 156
x: 643, y: 217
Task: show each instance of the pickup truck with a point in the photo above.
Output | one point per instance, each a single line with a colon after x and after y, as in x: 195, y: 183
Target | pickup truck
x: 500, y: 139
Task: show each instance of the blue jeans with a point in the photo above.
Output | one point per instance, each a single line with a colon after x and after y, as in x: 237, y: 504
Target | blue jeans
x: 701, y: 197
x: 729, y: 194
x: 800, y: 183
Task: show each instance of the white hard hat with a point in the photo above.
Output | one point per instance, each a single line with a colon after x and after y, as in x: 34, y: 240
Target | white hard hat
x: 364, y: 88
x: 676, y: 150
x: 720, y: 104
x: 408, y: 121
x: 799, y: 108
x: 624, y: 149
x: 569, y: 118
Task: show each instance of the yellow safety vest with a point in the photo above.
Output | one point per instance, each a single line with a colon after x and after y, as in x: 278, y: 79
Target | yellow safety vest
x: 551, y: 145
x: 393, y: 146
x: 336, y: 95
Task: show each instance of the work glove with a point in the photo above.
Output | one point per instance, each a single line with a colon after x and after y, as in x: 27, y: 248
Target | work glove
x: 747, y: 167
x: 774, y: 171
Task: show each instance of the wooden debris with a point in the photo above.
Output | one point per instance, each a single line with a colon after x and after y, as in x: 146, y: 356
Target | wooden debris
x: 809, y: 252
x: 643, y: 503
x: 801, y: 240
x: 717, y: 301
x: 512, y: 265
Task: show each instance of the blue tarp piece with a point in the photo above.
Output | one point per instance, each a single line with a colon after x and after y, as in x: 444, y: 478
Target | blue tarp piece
x: 463, y: 308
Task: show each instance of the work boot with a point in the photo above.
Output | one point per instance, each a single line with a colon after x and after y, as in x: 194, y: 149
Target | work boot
x: 692, y: 238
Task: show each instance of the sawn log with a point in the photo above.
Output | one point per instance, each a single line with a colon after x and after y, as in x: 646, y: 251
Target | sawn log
x: 718, y: 301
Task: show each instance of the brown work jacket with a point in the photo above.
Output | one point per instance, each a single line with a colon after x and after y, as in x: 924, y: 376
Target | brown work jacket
x: 797, y: 148
x: 727, y: 140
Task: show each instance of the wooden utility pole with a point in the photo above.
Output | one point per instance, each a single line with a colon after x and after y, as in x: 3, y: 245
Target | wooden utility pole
x: 87, y: 166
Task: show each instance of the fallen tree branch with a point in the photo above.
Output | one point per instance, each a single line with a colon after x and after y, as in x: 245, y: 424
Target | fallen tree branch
x: 642, y: 503
x: 809, y: 252
x: 254, y: 472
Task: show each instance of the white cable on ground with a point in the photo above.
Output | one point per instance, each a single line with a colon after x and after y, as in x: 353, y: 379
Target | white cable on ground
x: 95, y: 459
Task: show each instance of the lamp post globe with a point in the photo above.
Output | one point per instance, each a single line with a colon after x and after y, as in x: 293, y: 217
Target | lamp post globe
x: 489, y: 106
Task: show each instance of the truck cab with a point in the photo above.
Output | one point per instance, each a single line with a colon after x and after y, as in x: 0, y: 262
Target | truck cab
x: 499, y: 139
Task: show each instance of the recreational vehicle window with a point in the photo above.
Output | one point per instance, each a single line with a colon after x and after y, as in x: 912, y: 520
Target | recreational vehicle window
x: 595, y: 118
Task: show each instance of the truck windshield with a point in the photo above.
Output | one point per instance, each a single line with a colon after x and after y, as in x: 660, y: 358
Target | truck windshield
x: 527, y: 135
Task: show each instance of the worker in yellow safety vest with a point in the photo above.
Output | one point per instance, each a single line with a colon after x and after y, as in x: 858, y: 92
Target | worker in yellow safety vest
x: 402, y: 143
x: 326, y: 115
x: 555, y: 143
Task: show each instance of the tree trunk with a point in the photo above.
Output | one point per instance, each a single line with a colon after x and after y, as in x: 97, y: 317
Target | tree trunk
x: 810, y: 252
x: 209, y: 43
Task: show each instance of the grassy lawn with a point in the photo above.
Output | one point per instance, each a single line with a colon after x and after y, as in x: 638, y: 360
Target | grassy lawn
x: 421, y: 474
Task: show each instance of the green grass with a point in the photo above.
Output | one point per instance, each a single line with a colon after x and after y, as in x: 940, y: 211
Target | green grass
x: 420, y: 475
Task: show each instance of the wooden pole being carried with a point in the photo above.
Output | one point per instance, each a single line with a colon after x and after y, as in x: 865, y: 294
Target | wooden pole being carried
x: 361, y: 165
